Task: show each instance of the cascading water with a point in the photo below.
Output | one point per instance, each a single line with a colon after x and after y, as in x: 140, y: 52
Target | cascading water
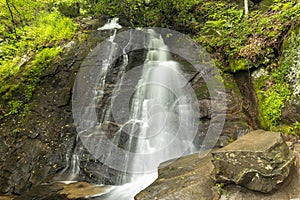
x: 160, y: 113
x: 72, y: 169
x: 161, y: 116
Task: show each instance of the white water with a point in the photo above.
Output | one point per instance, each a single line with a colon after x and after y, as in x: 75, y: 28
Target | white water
x: 162, y: 110
x: 112, y: 24
x: 162, y: 118
x: 72, y: 169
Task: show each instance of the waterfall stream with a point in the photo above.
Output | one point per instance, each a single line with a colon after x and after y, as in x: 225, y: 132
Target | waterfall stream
x: 160, y: 119
x: 160, y: 112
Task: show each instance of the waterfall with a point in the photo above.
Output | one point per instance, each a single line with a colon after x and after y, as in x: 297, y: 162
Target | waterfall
x: 161, y: 120
x: 88, y: 109
x: 161, y: 113
x: 161, y: 116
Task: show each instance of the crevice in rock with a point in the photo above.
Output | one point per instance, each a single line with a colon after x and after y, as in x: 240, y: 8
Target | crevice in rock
x: 245, y: 84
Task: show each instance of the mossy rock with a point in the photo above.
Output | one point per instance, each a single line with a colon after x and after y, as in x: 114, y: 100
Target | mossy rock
x: 282, y: 85
x: 289, y: 64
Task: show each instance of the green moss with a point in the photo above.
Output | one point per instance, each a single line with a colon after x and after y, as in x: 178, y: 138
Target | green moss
x: 245, y: 125
x: 293, y: 129
x: 20, y: 91
x: 271, y: 101
x: 231, y: 140
x: 230, y: 83
x: 14, y: 107
x: 238, y: 64
x: 275, y: 89
x: 220, y: 187
x: 274, y: 103
x: 35, y: 69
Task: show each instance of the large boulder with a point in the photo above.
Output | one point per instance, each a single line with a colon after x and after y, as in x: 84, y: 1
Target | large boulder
x: 259, y: 161
x: 189, y: 177
x: 290, y: 189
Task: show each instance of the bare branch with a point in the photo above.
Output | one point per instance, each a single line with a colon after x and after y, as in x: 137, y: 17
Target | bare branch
x: 11, y: 15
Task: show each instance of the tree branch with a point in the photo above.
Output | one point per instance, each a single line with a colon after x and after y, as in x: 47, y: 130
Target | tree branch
x: 11, y: 15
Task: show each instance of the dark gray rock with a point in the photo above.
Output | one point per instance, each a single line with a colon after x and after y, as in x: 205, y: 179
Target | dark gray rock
x: 23, y: 168
x: 189, y: 177
x: 259, y: 161
x: 290, y: 113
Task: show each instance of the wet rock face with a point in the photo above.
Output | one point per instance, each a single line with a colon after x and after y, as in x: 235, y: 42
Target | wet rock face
x: 259, y: 161
x: 39, y: 147
x: 23, y: 167
x: 236, y: 122
x: 186, y: 178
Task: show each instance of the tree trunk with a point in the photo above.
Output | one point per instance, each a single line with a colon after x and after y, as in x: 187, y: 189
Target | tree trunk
x: 246, y: 7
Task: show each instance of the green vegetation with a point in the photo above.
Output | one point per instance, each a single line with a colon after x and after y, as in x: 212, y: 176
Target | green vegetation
x: 272, y: 101
x: 280, y: 86
x: 246, y: 42
x: 292, y: 129
x: 176, y: 14
x: 220, y: 188
x: 289, y: 65
x: 238, y: 42
x: 231, y: 140
x: 32, y: 34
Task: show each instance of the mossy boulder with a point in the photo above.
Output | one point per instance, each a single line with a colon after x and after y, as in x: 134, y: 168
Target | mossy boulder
x: 278, y: 87
x: 289, y: 66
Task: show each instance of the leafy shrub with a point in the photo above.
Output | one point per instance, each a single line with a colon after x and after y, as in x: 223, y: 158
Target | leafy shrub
x: 274, y: 103
x: 50, y: 28
x: 255, y: 38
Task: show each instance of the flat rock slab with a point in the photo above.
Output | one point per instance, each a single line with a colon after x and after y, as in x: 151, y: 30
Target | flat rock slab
x: 82, y: 190
x: 61, y: 191
x: 259, y: 161
x: 289, y: 190
x: 188, y: 177
x: 6, y: 197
